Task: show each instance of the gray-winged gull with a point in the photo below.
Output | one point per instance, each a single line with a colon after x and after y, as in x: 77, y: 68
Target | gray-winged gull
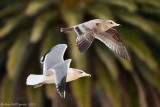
x: 102, y: 30
x: 56, y: 70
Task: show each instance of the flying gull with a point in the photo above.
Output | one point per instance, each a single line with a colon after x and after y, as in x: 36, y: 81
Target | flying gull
x: 56, y: 70
x: 102, y: 30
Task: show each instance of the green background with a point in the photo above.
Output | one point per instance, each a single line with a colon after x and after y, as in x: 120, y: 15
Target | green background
x: 29, y: 28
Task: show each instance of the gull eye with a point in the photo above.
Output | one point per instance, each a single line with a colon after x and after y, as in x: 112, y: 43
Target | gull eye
x: 81, y: 72
x: 111, y: 22
x: 97, y: 24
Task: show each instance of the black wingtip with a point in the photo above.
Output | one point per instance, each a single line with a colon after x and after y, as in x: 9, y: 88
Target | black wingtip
x: 61, y: 90
x: 62, y: 94
x: 61, y: 87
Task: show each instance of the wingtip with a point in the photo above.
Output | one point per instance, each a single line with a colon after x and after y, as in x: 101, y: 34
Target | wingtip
x: 61, y: 88
x: 128, y: 58
x: 123, y: 53
x: 64, y: 45
x: 125, y: 56
x: 68, y: 60
x: 62, y: 94
x: 80, y: 50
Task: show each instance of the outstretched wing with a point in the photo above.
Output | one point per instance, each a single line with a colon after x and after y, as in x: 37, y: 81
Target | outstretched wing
x: 112, y: 39
x: 84, y: 40
x: 60, y: 71
x: 54, y: 56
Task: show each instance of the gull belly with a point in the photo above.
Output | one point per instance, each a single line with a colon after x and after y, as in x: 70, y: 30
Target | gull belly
x: 49, y: 79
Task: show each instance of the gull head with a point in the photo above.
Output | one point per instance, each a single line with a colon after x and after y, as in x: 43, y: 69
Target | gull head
x: 74, y: 74
x: 79, y: 73
x: 103, y: 25
x: 111, y: 23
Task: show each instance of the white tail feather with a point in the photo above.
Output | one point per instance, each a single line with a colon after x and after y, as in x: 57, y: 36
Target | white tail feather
x: 34, y: 79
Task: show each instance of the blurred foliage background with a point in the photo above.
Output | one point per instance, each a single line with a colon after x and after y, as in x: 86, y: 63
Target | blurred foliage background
x: 29, y: 28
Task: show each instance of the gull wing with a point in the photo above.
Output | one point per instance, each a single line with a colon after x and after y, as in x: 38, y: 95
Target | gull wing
x: 84, y: 40
x: 112, y: 39
x: 60, y: 70
x: 54, y: 56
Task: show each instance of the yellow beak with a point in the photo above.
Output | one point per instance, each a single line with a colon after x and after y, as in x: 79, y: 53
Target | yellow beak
x: 89, y: 75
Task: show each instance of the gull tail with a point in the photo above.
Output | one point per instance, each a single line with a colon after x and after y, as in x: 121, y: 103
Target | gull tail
x: 36, y: 80
x: 67, y: 29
